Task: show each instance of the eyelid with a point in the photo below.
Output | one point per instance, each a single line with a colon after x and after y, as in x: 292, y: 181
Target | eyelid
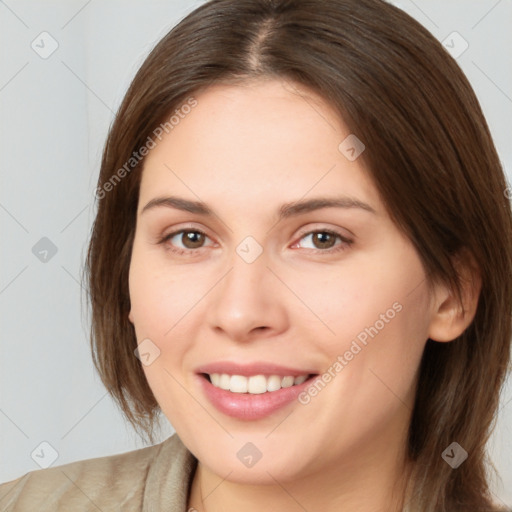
x: 320, y: 227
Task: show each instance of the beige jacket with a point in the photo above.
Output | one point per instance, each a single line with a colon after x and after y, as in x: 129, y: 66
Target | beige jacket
x: 151, y: 479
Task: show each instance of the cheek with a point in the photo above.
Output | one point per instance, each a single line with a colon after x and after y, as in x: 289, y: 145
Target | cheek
x: 378, y: 321
x: 159, y: 295
x: 161, y: 304
x: 363, y: 300
x: 371, y: 367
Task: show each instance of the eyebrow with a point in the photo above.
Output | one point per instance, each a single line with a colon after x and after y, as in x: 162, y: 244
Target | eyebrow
x: 285, y: 210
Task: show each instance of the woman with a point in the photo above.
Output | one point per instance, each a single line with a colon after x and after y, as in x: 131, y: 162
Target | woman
x: 302, y: 257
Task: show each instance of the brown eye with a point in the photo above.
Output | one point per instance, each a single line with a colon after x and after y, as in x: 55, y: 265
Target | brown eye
x: 185, y: 241
x: 323, y: 239
x: 192, y: 239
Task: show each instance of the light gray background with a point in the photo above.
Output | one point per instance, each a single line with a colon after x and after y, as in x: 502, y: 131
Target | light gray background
x: 55, y: 113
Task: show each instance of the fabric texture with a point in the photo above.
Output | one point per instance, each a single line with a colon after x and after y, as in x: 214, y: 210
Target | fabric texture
x: 151, y: 479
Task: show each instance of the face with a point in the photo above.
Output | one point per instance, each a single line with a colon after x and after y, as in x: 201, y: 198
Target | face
x: 252, y: 285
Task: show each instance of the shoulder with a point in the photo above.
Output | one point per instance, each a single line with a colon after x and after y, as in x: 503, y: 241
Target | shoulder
x: 108, y: 483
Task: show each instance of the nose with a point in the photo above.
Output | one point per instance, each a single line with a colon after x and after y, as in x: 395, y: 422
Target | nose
x: 248, y: 301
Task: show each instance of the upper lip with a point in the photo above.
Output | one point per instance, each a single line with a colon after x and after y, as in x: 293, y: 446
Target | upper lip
x: 255, y: 368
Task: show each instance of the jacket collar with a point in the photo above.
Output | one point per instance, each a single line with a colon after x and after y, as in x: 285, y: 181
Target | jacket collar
x: 170, y: 477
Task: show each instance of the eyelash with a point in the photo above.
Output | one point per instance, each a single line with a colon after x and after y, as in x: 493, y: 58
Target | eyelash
x: 346, y: 242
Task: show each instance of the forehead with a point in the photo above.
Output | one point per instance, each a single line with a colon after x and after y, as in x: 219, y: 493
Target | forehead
x: 255, y: 141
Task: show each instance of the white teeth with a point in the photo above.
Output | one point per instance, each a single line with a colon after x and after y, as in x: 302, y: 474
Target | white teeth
x: 224, y: 381
x: 238, y: 384
x: 300, y: 380
x: 255, y: 384
x: 287, y: 382
x: 274, y: 383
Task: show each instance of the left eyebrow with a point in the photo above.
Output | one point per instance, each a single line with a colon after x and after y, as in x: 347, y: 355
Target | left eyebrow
x: 297, y: 207
x: 286, y: 210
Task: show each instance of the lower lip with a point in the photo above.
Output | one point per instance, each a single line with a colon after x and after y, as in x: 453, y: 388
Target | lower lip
x: 246, y: 406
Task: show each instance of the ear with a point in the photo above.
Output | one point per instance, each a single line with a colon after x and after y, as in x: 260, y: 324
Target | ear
x: 130, y: 316
x: 449, y: 317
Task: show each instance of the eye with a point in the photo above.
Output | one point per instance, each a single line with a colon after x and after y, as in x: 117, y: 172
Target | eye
x: 324, y: 240
x: 191, y: 240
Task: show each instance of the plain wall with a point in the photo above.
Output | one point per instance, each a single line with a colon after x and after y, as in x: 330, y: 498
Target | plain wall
x: 54, y: 116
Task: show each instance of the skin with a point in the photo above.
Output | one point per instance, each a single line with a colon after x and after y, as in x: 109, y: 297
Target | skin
x: 294, y: 305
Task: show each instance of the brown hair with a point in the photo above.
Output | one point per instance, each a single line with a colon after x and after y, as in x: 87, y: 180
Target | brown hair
x: 429, y: 153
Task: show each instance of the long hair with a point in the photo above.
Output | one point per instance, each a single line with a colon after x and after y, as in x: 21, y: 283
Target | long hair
x: 429, y: 152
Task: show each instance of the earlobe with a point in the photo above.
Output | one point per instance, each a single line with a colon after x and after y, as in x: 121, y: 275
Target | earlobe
x: 450, y: 318
x: 130, y: 316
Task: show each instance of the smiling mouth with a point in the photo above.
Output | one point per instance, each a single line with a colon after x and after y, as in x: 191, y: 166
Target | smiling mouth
x: 255, y: 384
